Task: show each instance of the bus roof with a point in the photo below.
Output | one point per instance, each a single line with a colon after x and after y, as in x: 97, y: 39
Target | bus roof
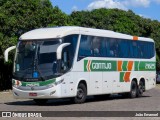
x: 58, y: 32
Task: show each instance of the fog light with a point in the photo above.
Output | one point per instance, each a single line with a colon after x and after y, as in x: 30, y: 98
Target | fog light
x: 52, y: 92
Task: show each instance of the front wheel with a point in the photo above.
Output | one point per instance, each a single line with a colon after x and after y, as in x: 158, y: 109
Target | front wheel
x: 81, y: 94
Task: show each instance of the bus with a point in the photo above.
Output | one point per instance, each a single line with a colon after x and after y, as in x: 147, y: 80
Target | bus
x: 76, y: 62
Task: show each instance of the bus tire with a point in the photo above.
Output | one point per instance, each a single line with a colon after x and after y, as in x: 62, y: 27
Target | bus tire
x: 140, y: 89
x: 133, y: 90
x: 40, y: 101
x: 81, y: 94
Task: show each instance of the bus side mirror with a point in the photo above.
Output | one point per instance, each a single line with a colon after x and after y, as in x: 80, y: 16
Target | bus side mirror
x: 59, y: 50
x: 7, y: 51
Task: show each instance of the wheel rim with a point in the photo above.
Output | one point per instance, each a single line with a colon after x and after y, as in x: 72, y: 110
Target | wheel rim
x: 80, y: 93
x: 134, y: 89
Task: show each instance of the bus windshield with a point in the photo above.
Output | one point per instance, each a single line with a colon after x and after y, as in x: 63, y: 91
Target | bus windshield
x: 36, y: 60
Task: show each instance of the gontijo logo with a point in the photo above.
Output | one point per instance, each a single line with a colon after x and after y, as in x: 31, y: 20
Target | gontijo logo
x: 99, y: 65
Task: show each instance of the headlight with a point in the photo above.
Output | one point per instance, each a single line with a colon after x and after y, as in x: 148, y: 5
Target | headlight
x: 55, y: 84
x: 59, y: 82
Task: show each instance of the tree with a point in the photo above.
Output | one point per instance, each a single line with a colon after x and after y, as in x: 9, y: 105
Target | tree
x: 59, y: 18
x: 119, y: 21
x: 18, y: 17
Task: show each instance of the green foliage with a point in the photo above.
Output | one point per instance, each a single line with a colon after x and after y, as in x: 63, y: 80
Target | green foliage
x: 59, y: 18
x: 119, y: 21
x: 19, y: 16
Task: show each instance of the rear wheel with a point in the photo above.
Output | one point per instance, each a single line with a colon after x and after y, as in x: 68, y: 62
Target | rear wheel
x: 81, y: 94
x: 140, y: 89
x: 40, y: 101
x: 133, y: 91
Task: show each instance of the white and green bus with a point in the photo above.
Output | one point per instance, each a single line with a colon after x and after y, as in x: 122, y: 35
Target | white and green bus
x: 76, y: 62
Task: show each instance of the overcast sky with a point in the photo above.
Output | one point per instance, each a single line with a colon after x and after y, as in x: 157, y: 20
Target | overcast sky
x: 145, y: 8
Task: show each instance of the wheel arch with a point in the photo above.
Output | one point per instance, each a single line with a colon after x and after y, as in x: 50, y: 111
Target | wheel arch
x: 135, y: 79
x: 84, y: 81
x: 144, y: 82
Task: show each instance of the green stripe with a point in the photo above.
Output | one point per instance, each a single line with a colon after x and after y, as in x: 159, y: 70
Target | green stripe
x: 145, y: 66
x: 124, y: 66
x: 108, y: 65
x: 40, y: 83
x: 122, y: 76
x: 85, y: 65
x: 136, y: 65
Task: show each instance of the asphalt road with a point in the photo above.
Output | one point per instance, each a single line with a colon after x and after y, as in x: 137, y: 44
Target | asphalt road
x: 149, y: 102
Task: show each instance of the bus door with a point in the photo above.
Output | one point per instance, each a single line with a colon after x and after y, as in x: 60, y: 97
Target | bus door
x: 68, y: 84
x: 67, y: 88
x: 107, y: 82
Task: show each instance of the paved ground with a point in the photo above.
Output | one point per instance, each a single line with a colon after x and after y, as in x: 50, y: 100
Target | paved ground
x: 149, y: 102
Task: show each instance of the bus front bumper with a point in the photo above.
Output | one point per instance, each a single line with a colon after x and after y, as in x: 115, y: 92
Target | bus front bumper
x: 36, y: 94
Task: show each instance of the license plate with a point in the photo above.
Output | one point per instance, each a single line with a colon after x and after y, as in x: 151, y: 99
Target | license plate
x: 32, y: 94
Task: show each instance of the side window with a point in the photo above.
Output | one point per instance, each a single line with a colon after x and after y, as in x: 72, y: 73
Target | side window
x: 103, y: 50
x: 144, y: 50
x: 148, y: 50
x: 124, y: 48
x: 134, y: 48
x: 141, y: 49
x: 151, y: 49
x: 71, y: 39
x: 140, y: 52
x: 114, y: 47
x: 97, y: 49
x: 69, y: 51
x: 85, y: 49
x: 107, y: 48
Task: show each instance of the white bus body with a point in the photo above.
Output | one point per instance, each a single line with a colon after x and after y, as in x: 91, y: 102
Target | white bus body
x: 105, y: 62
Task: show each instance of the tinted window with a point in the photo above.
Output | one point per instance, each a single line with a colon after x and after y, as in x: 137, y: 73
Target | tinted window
x: 85, y: 48
x: 124, y: 48
x: 113, y: 47
x: 70, y: 50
